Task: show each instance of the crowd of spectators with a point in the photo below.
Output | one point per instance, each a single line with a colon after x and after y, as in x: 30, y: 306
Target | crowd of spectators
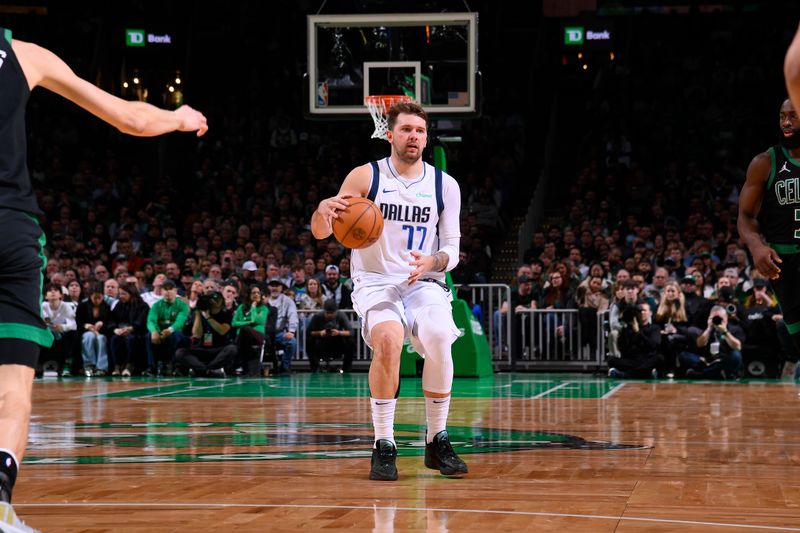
x: 649, y: 231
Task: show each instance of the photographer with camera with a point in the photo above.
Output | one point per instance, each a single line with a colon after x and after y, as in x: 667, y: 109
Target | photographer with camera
x: 719, y: 348
x: 330, y: 336
x: 212, y: 349
x: 639, y: 341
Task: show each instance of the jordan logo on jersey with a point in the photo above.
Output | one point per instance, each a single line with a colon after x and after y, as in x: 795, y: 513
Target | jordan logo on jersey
x: 784, y: 168
x: 2, y: 57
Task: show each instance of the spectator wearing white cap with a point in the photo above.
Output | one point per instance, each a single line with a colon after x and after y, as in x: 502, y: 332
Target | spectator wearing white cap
x: 334, y: 289
x: 249, y: 269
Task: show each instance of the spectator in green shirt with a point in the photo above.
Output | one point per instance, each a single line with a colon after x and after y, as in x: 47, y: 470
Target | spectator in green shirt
x: 256, y: 324
x: 165, y: 322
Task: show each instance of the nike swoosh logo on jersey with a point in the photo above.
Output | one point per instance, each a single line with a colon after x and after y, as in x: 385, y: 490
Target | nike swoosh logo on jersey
x: 389, y: 190
x: 382, y: 403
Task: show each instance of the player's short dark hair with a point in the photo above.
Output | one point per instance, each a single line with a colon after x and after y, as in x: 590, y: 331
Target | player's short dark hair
x: 409, y: 108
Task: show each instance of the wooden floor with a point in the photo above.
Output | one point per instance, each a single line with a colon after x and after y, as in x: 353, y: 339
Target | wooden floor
x: 546, y: 453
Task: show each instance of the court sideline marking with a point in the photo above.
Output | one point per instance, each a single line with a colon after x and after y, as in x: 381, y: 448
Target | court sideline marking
x: 388, y: 508
x: 551, y: 389
x: 612, y: 391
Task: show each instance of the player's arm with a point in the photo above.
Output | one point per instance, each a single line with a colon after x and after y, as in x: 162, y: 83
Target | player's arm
x: 446, y: 258
x: 765, y: 258
x: 791, y: 70
x: 43, y: 68
x: 355, y: 184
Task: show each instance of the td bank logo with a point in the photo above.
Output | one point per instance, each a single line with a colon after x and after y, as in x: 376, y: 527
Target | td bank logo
x: 134, y: 37
x: 573, y: 35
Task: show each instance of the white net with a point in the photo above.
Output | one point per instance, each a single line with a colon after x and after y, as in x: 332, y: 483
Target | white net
x: 378, y: 106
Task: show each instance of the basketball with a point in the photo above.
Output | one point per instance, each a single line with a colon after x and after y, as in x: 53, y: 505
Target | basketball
x: 360, y: 225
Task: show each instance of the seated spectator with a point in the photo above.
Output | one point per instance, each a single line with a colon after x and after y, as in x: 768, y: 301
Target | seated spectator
x: 157, y: 293
x: 195, y: 291
x: 129, y: 329
x: 212, y: 349
x: 760, y: 318
x: 74, y: 294
x: 60, y: 319
x: 334, y: 288
x: 249, y: 269
x: 165, y: 320
x: 92, y: 317
x: 592, y: 301
x: 522, y: 299
x: 629, y: 298
x: 286, y: 323
x: 639, y: 341
x: 461, y: 274
x: 255, y: 325
x: 299, y: 281
x: 111, y: 292
x: 671, y: 317
x: 330, y: 336
x: 230, y: 291
x: 717, y: 353
x: 695, y: 304
x: 311, y: 299
x: 556, y: 296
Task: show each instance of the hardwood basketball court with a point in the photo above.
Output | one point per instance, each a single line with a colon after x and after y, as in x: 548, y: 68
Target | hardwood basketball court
x: 562, y: 452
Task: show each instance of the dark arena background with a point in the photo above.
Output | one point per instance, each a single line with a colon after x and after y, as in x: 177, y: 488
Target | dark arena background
x: 600, y: 148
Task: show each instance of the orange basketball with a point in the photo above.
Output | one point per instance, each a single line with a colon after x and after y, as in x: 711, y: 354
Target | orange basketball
x: 360, y: 225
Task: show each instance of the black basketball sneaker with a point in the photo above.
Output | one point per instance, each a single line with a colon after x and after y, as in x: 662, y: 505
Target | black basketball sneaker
x: 384, y: 455
x: 439, y: 455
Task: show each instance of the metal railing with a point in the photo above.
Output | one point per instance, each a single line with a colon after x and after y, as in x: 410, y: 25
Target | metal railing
x: 534, y: 339
x: 491, y: 297
x: 362, y: 355
x: 561, y: 339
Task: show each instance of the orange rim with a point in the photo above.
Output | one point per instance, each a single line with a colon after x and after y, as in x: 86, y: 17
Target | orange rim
x: 386, y: 100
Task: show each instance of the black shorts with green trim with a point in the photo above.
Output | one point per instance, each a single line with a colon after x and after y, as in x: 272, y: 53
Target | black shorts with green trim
x: 21, y: 264
x: 787, y: 286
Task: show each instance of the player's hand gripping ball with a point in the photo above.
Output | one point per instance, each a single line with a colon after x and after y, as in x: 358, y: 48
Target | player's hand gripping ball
x: 360, y: 225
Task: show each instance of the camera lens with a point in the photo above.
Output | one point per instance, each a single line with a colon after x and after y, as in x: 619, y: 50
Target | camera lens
x: 717, y: 320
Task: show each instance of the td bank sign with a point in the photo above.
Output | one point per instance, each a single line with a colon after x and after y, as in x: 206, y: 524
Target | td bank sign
x: 577, y: 35
x: 138, y: 38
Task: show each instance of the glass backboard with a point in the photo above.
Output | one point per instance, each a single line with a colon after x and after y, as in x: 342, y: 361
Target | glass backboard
x: 431, y: 57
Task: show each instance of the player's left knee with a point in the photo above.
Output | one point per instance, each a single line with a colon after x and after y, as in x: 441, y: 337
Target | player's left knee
x: 435, y: 330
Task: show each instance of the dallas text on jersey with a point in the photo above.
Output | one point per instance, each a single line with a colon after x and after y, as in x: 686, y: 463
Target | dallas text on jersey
x: 405, y: 213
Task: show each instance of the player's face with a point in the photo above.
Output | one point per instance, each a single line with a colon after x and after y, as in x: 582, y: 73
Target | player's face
x: 790, y: 126
x: 409, y: 137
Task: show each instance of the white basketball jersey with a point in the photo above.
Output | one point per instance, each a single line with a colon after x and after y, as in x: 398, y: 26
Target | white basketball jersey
x: 410, y: 211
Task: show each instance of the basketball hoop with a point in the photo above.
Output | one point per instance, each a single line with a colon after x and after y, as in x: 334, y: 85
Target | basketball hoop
x: 378, y: 105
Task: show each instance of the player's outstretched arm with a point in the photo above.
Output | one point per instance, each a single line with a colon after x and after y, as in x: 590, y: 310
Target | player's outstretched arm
x: 43, y: 68
x: 355, y: 184
x: 765, y: 258
x: 791, y: 70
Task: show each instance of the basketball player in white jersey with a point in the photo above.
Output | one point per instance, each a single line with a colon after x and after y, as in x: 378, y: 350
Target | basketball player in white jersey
x: 399, y: 283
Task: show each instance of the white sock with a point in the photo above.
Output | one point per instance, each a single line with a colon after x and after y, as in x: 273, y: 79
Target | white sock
x: 436, y: 410
x: 383, y: 418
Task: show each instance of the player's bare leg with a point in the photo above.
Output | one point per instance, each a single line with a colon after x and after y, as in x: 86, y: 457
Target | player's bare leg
x: 384, y: 380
